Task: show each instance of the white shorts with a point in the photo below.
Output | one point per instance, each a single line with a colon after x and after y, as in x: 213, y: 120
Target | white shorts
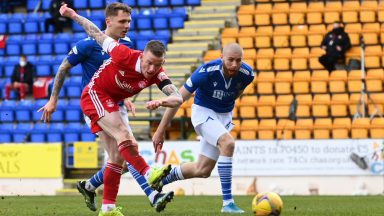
x: 211, y: 126
x: 124, y: 115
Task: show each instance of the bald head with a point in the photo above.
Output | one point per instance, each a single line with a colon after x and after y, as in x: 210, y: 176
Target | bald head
x: 232, y: 57
x: 233, y: 49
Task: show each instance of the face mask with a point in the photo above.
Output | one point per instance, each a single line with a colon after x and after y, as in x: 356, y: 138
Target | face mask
x: 22, y: 63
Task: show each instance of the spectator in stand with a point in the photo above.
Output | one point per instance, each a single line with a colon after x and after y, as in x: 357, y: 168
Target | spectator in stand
x: 335, y: 43
x: 22, y: 78
x: 56, y: 20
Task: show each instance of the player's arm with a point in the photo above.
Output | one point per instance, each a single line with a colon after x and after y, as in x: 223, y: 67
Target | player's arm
x: 173, y: 98
x: 51, y: 105
x: 169, y: 114
x: 91, y: 29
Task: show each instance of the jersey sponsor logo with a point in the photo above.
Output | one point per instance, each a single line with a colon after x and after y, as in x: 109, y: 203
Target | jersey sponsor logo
x: 244, y: 71
x: 220, y: 94
x: 189, y: 83
x: 122, y: 72
x: 124, y: 85
x: 213, y: 68
x: 162, y: 76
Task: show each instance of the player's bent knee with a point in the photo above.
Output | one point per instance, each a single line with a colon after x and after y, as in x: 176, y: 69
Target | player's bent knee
x: 227, y: 143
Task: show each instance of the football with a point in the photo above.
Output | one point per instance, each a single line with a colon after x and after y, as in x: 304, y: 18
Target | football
x: 268, y: 203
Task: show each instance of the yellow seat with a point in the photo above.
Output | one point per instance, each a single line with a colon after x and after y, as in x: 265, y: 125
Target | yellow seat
x: 374, y: 80
x: 245, y: 19
x: 377, y: 128
x: 228, y: 40
x: 371, y: 38
x: 355, y: 81
x: 282, y: 105
x: 337, y: 81
x: 350, y: 16
x: 304, y: 104
x: 376, y: 104
x: 356, y: 103
x: 264, y: 59
x: 248, y: 129
x: 263, y: 41
x: 300, y: 59
x: 230, y: 32
x: 284, y: 129
x: 246, y: 9
x: 301, y: 80
x: 360, y: 128
x: 211, y: 55
x: 265, y: 82
x: 319, y: 81
x: 266, y: 129
x: 262, y: 19
x: 281, y: 36
x: 341, y: 128
x: 331, y: 17
x: 322, y: 128
x: 282, y: 58
x: 371, y: 28
x: 315, y: 6
x: 247, y: 106
x: 250, y: 89
x: 266, y: 105
x: 320, y: 105
x: 339, y: 105
x: 303, y: 129
x: 283, y: 82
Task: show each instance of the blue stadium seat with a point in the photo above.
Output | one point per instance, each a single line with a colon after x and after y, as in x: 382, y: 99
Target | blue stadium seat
x: 46, y: 59
x: 176, y: 21
x: 144, y: 19
x: 36, y: 116
x: 55, y: 68
x: 140, y: 43
x: 55, y: 132
x: 28, y: 49
x: 6, y: 132
x: 39, y: 131
x: 87, y: 136
x: 72, y: 132
x: 13, y: 49
x: 45, y: 5
x: 31, y: 27
x: 147, y: 3
x: 21, y: 132
x: 63, y: 37
x: 160, y: 22
x: 3, y: 27
x: 61, y: 47
x: 58, y: 116
x: 47, y: 38
x: 8, y: 70
x: 193, y: 2
x: 161, y: 3
x: 43, y: 70
x: 177, y: 2
x: 32, y: 59
x: 12, y: 60
x: 15, y: 39
x: 131, y: 3
x: 73, y: 111
x: 23, y: 111
x: 31, y: 4
x: 45, y: 48
x: 59, y: 59
x: 15, y: 27
x: 96, y: 4
x: 81, y: 4
x: 30, y: 38
x: 165, y: 33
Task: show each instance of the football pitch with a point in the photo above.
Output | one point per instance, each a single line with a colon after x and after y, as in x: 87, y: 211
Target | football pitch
x: 194, y: 205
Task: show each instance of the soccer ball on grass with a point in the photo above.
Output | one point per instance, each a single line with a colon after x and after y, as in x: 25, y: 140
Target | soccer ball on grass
x: 268, y: 203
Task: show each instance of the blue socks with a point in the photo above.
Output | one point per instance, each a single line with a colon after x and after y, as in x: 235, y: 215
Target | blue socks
x: 224, y: 166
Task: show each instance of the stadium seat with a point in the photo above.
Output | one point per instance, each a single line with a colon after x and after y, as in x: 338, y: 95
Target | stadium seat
x: 61, y: 47
x: 360, y: 128
x: 376, y: 104
x: 266, y: 129
x: 264, y: 59
x: 304, y: 104
x: 322, y: 128
x: 55, y: 132
x: 13, y: 49
x: 81, y: 4
x: 7, y: 111
x: 247, y: 107
x: 319, y: 81
x: 303, y: 129
x: 45, y: 48
x: 283, y: 82
x: 301, y: 81
x: 281, y: 60
x: 31, y: 27
x: 72, y: 132
x: 320, y: 105
x: 6, y: 132
x: 248, y: 129
x: 265, y: 106
x: 339, y: 105
x: 29, y: 49
x: 22, y: 133
x: 38, y: 133
x: 23, y: 111
x: 377, y: 128
x: 265, y: 82
x: 282, y: 105
x: 355, y: 103
x: 341, y: 128
x: 337, y: 81
x: 43, y: 70
x: 355, y: 81
x: 284, y: 129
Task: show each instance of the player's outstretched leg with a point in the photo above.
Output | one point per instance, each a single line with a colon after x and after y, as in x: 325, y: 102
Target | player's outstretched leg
x: 174, y: 175
x: 89, y: 196
x: 224, y: 166
x: 155, y: 175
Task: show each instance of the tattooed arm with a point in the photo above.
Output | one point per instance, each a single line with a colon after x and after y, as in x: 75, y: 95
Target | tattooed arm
x: 91, y: 29
x: 50, y: 106
x: 173, y: 98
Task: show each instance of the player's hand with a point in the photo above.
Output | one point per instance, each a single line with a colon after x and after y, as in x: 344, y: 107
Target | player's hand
x: 152, y: 105
x: 65, y: 11
x: 130, y: 106
x: 48, y: 109
x: 158, y: 141
x: 338, y: 48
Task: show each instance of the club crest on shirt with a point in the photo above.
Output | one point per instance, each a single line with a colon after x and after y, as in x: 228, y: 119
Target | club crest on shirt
x: 142, y: 84
x: 110, y: 103
x: 122, y: 72
x: 214, y: 84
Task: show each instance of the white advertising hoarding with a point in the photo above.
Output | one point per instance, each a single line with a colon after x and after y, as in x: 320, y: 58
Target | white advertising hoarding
x: 282, y: 158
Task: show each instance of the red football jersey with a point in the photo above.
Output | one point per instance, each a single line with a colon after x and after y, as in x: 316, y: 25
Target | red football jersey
x: 120, y: 76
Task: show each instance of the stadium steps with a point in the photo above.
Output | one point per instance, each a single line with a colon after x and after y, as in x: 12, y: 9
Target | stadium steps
x: 204, y: 16
x: 205, y: 23
x: 184, y: 53
x: 197, y: 31
x: 173, y: 69
x: 209, y: 9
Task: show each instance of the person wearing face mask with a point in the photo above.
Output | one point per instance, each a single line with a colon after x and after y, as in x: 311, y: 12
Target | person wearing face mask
x: 22, y: 78
x: 123, y: 75
x: 217, y: 85
x: 335, y: 43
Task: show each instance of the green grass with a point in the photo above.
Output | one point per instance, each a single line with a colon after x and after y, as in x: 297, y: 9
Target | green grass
x: 195, y: 205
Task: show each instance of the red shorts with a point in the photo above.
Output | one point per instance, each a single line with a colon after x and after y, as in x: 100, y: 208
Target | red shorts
x: 94, y: 103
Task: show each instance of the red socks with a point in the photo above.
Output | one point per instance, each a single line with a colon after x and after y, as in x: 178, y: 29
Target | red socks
x: 112, y: 176
x: 130, y: 153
